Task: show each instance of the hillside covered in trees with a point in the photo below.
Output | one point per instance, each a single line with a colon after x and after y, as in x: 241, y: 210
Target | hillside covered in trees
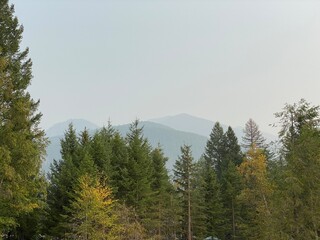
x: 109, y: 186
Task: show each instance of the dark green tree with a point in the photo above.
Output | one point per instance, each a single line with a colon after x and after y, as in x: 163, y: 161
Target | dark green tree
x: 215, y: 150
x: 232, y: 149
x: 140, y: 194
x: 63, y: 177
x: 22, y: 141
x: 162, y: 188
x: 211, y: 212
x: 232, y: 185
x: 120, y: 178
x: 101, y: 150
x: 184, y: 173
x: 296, y: 214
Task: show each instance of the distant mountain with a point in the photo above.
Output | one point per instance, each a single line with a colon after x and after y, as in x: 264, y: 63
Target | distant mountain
x: 188, y: 123
x: 79, y: 124
x: 170, y: 132
x: 168, y: 138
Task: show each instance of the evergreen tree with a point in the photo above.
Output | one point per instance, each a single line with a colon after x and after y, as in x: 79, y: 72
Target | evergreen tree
x: 232, y: 149
x: 215, y: 149
x: 63, y: 177
x: 140, y: 195
x: 252, y: 136
x: 184, y: 170
x: 161, y: 188
x: 296, y: 214
x: 232, y: 185
x: 293, y: 118
x: 22, y: 142
x: 212, y: 213
x: 120, y: 178
x: 101, y: 150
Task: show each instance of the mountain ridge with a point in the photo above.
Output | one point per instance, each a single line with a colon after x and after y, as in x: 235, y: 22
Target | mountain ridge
x: 171, y: 132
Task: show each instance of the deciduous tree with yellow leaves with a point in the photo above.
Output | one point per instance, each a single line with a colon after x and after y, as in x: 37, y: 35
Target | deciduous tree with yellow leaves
x: 91, y: 212
x: 256, y: 194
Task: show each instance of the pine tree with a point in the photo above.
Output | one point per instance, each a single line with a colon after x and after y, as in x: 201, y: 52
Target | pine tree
x: 252, y: 136
x: 22, y: 142
x: 211, y: 214
x: 120, y: 179
x: 140, y: 195
x: 215, y: 150
x: 232, y: 148
x: 101, y: 150
x: 63, y: 177
x: 231, y: 184
x: 184, y: 170
x: 162, y: 189
x: 296, y: 204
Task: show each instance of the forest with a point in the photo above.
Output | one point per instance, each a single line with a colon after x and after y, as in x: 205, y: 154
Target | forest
x: 106, y: 186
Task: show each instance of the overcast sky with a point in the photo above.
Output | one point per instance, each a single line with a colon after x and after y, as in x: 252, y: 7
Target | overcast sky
x: 220, y: 60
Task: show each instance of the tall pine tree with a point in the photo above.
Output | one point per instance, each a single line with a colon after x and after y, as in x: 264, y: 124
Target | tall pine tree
x: 184, y: 172
x: 22, y: 142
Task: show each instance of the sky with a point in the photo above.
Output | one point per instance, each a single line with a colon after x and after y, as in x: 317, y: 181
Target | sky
x: 226, y: 61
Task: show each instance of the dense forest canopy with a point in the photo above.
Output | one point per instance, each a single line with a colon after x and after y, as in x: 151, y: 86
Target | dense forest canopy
x: 106, y: 186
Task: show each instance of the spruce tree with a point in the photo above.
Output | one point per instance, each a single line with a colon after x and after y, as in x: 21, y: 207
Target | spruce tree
x: 233, y: 151
x: 101, y: 150
x: 163, y: 210
x: 22, y: 142
x: 62, y: 178
x: 231, y: 185
x: 215, y: 149
x: 140, y: 195
x: 212, y: 213
x: 184, y: 172
x: 120, y: 179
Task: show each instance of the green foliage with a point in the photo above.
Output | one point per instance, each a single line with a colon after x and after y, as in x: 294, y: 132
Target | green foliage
x: 22, y: 142
x: 101, y: 150
x: 184, y: 173
x: 231, y: 186
x: 120, y: 180
x: 210, y: 218
x: 139, y: 193
x: 215, y: 149
x: 63, y: 177
x: 297, y: 206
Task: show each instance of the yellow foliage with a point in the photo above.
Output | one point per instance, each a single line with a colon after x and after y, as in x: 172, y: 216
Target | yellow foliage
x: 92, y: 215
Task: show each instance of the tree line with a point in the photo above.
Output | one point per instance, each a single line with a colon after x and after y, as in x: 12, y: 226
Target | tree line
x: 109, y: 186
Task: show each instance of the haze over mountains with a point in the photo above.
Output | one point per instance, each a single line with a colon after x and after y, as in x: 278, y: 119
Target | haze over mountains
x: 170, y: 132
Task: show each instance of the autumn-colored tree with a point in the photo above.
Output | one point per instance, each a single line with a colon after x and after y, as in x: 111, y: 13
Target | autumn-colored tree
x: 256, y: 194
x: 252, y: 136
x: 91, y: 211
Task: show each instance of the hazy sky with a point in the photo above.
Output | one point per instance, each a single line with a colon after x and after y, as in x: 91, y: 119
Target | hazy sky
x: 221, y: 60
